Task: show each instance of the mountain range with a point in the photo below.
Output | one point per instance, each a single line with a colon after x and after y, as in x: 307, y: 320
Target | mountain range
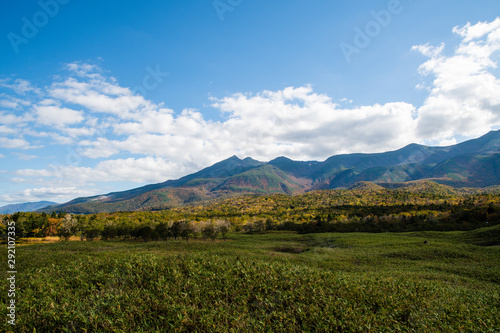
x: 25, y: 207
x: 473, y: 163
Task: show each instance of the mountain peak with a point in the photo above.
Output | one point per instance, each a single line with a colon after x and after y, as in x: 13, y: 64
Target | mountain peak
x: 232, y: 158
x: 280, y: 159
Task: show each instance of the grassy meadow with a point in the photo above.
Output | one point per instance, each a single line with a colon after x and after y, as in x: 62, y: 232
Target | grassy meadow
x: 273, y: 282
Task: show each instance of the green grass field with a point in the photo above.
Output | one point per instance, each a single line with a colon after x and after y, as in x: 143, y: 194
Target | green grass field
x: 275, y: 282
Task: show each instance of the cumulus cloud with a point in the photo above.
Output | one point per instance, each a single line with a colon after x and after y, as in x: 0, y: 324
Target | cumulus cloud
x: 13, y: 103
x: 299, y: 123
x: 464, y: 97
x: 470, y: 32
x: 99, y: 94
x: 9, y: 143
x: 141, y: 170
x: 53, y: 115
x: 8, y: 118
x: 6, y: 130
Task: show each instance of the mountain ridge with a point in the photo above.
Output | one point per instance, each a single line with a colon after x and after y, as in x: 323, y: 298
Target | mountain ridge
x: 25, y: 207
x: 473, y: 163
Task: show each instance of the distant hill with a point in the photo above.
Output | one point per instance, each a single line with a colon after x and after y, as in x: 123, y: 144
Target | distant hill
x: 474, y: 163
x: 25, y: 207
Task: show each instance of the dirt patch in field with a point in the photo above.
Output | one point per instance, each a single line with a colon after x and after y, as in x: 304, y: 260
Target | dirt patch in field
x: 52, y: 239
x: 291, y: 249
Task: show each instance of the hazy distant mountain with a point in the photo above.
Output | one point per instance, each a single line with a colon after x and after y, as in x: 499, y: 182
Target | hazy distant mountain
x: 25, y: 207
x: 474, y: 163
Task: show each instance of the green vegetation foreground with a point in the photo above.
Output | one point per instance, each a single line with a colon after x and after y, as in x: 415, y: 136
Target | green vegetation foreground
x: 275, y: 282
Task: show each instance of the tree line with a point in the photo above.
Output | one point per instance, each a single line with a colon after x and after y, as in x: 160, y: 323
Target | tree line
x: 319, y: 211
x: 106, y: 227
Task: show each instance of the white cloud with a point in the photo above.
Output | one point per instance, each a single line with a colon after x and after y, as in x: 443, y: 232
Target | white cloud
x: 57, y: 194
x: 9, y: 104
x: 100, y: 148
x: 15, y: 143
x: 464, y: 97
x: 79, y: 131
x: 470, y: 32
x: 299, y: 123
x: 13, y: 103
x: 10, y: 119
x: 161, y: 121
x: 141, y: 170
x: 65, y: 182
x: 99, y: 94
x: 6, y: 130
x: 83, y: 69
x: 53, y: 115
x: 429, y: 50
x: 20, y: 86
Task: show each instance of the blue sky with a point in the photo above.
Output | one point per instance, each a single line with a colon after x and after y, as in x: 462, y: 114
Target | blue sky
x: 104, y: 96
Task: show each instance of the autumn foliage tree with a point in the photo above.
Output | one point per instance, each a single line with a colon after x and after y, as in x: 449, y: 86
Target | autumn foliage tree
x: 67, y: 228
